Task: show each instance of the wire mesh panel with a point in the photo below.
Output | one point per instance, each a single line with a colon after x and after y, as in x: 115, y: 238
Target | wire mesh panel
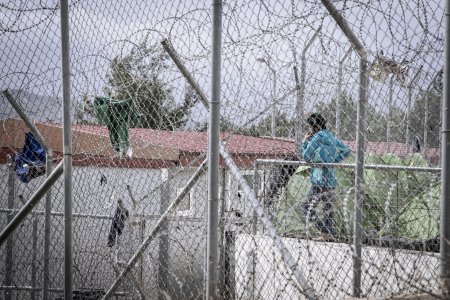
x: 370, y: 72
x: 138, y: 135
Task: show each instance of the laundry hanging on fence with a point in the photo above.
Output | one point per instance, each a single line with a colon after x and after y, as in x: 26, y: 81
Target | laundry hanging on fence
x: 118, y: 223
x: 116, y: 115
x: 30, y: 162
x: 382, y: 66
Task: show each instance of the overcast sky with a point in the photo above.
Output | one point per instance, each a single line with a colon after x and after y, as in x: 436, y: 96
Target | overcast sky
x: 102, y: 30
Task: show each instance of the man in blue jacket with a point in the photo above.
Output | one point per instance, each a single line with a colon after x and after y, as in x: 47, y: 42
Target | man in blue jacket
x: 320, y: 146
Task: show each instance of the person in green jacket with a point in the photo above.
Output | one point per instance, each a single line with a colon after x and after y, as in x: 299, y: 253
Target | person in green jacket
x: 320, y: 146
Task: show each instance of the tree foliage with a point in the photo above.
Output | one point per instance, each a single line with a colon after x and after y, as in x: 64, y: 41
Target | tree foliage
x: 285, y: 127
x: 376, y: 121
x: 84, y: 112
x: 136, y: 76
x: 348, y: 116
x: 432, y: 99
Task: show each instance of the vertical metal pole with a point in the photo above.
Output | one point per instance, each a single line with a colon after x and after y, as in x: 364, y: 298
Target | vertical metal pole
x: 163, y: 251
x: 337, y: 130
x: 445, y: 174
x: 301, y: 93
x: 389, y: 115
x: 408, y: 115
x: 222, y: 273
x: 34, y: 255
x: 440, y: 127
x: 299, y: 112
x: 230, y: 265
x: 274, y: 100
x: 360, y: 136
x: 141, y: 261
x: 425, y: 123
x: 255, y: 190
x: 359, y: 173
x: 408, y: 106
x: 253, y: 258
x: 47, y: 226
x: 427, y: 108
x: 301, y: 103
x: 274, y: 95
x: 67, y: 151
x: 9, y: 243
x: 213, y: 155
x: 250, y: 196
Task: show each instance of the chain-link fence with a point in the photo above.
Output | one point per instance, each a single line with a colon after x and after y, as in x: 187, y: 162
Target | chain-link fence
x: 293, y: 220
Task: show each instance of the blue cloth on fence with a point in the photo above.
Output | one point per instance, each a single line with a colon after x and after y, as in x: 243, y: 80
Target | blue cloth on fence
x: 30, y: 162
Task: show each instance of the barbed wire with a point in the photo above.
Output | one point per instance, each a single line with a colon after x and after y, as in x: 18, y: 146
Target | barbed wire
x: 275, y: 57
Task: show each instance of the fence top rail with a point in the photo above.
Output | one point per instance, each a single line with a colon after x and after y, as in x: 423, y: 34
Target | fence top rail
x: 345, y: 166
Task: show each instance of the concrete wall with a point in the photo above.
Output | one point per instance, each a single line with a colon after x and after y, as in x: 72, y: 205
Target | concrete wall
x: 328, y: 269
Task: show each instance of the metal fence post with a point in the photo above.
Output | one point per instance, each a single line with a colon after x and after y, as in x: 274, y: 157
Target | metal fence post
x: 408, y: 106
x: 268, y: 63
x: 141, y: 261
x: 163, y: 245
x: 34, y: 254
x: 213, y: 155
x: 445, y: 174
x: 389, y: 115
x: 229, y: 265
x: 359, y: 174
x: 360, y: 136
x: 299, y: 113
x: 301, y: 93
x: 248, y: 192
x: 427, y: 113
x: 255, y: 187
x: 222, y: 272
x: 425, y: 123
x: 47, y: 226
x: 67, y: 141
x: 9, y: 244
x: 339, y: 92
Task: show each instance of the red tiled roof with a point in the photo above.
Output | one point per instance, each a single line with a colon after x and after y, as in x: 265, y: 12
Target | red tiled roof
x: 191, y: 142
x: 196, y: 142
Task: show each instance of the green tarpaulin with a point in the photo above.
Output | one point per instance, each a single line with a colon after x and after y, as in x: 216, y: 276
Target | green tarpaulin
x: 403, y: 204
